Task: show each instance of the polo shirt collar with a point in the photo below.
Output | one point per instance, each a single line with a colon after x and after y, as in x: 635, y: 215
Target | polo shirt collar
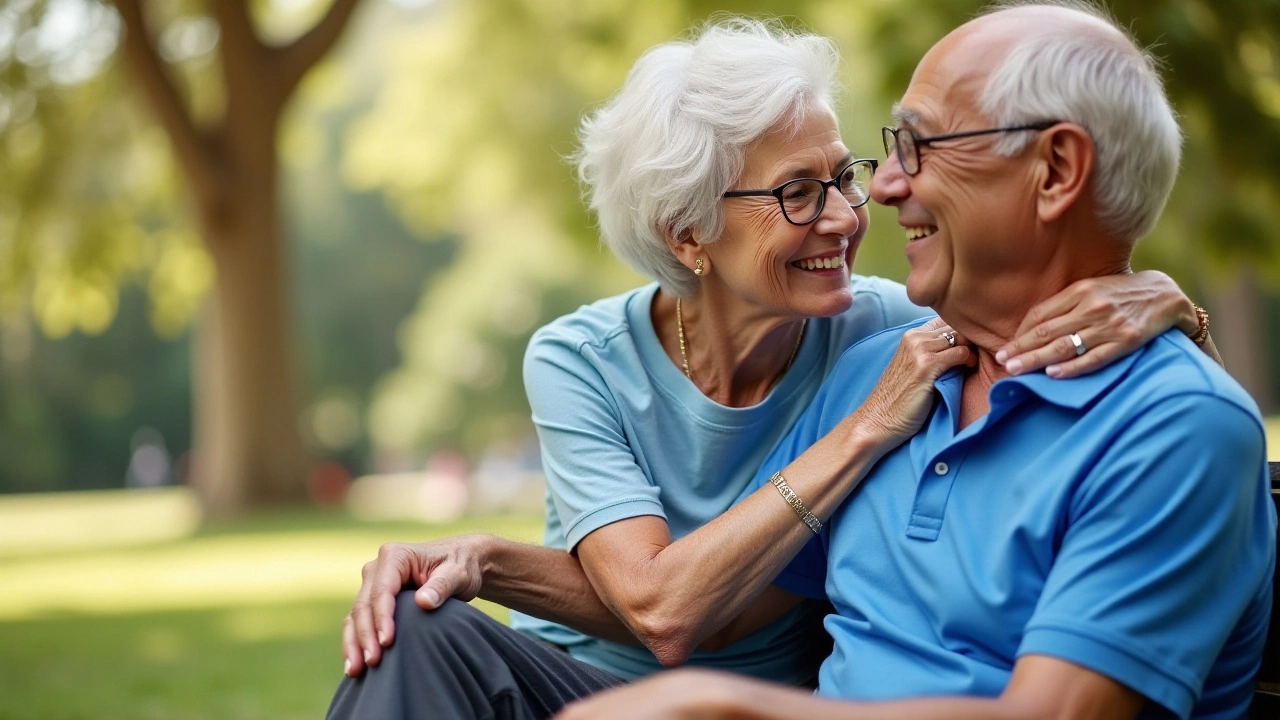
x: 1075, y: 393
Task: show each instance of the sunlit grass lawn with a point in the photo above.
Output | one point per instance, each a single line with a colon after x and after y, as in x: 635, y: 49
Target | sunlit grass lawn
x: 237, y: 621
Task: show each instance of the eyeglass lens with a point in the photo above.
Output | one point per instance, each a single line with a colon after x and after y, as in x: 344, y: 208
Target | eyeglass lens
x: 803, y: 200
x: 905, y: 143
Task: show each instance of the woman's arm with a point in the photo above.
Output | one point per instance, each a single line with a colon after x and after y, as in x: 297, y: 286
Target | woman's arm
x: 541, y: 581
x: 676, y: 595
x: 673, y: 596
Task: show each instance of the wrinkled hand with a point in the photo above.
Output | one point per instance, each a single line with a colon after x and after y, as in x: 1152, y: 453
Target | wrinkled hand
x: 452, y: 567
x: 1114, y: 315
x: 897, y: 408
x: 673, y: 695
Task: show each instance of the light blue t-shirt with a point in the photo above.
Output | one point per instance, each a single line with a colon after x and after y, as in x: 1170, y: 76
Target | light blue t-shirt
x: 1120, y: 521
x: 624, y: 433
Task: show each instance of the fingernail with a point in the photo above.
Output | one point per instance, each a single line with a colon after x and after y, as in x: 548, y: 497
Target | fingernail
x: 382, y: 638
x: 1053, y: 371
x: 431, y: 596
x: 368, y: 657
x: 1002, y: 356
x: 346, y: 667
x: 1014, y: 367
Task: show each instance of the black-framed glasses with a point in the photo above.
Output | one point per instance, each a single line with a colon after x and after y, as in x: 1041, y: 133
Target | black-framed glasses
x: 803, y: 199
x: 908, y: 144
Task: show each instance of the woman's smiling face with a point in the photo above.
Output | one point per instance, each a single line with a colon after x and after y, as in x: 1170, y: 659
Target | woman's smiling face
x: 766, y: 261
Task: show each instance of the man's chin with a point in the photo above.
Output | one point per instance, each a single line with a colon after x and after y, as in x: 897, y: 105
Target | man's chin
x: 920, y: 291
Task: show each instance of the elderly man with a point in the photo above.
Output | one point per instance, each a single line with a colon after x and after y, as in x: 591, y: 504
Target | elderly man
x: 1098, y: 547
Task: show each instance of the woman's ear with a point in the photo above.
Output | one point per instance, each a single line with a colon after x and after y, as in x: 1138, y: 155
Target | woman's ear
x: 685, y: 246
x: 1067, y: 154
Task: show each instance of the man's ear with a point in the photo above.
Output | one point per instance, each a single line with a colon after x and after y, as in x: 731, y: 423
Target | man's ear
x: 1067, y: 154
x: 685, y: 247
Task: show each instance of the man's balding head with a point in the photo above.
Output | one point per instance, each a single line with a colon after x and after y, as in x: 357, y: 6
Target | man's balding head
x: 1046, y: 148
x: 1068, y: 60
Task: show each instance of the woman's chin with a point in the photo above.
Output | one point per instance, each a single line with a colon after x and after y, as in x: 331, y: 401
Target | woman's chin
x: 827, y: 304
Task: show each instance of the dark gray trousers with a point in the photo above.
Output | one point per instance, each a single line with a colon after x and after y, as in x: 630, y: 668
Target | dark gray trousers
x: 456, y: 662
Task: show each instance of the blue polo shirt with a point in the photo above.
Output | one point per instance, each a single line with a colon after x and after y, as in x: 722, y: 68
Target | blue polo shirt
x: 1120, y: 521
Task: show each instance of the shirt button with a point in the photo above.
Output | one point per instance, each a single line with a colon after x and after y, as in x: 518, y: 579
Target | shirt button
x: 941, y: 468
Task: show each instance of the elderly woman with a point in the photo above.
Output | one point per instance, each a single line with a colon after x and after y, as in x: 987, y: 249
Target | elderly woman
x: 719, y: 171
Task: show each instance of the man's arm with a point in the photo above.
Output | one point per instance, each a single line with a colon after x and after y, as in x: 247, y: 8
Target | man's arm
x: 1042, y: 688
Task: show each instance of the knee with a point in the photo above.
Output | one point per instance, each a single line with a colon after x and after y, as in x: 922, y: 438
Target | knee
x: 446, y: 624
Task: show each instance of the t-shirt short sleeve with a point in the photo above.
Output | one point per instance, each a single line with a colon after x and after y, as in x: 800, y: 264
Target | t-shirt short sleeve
x: 1158, y: 562
x: 591, y: 471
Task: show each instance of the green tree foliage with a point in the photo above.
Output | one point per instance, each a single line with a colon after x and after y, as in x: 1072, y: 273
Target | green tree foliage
x: 89, y: 200
x: 91, y: 229
x: 215, y: 78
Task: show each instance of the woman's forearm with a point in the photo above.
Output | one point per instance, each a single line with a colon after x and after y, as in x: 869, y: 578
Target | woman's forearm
x: 691, y: 588
x: 547, y: 583
x: 674, y: 595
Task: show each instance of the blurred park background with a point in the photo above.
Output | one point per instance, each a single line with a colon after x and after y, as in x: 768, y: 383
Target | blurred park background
x: 268, y: 267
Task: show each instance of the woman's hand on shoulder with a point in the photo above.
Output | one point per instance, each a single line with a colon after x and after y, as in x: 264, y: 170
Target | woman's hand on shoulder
x: 452, y: 567
x: 898, y: 406
x: 1111, y: 316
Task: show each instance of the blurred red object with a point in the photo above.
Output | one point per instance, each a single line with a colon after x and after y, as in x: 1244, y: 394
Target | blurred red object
x: 328, y: 483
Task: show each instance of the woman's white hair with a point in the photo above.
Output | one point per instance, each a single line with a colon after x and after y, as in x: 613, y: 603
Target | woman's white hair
x: 1104, y: 82
x: 656, y: 158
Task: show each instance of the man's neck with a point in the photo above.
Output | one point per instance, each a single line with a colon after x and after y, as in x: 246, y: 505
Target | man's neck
x: 990, y: 322
x: 975, y: 397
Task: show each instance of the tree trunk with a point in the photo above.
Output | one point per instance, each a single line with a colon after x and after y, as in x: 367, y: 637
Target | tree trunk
x: 249, y: 452
x: 1239, y: 331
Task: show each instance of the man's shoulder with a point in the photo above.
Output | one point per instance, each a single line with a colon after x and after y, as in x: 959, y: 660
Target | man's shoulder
x: 859, y: 368
x: 1172, y: 366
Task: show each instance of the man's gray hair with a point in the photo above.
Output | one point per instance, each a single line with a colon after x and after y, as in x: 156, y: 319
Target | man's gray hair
x: 1106, y: 83
x: 657, y: 157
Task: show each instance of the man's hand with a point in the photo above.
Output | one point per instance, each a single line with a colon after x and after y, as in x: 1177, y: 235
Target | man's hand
x: 452, y: 567
x: 673, y: 695
x: 1041, y: 688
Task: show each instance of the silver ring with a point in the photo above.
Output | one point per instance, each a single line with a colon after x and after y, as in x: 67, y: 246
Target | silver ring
x: 1080, y: 346
x: 950, y: 337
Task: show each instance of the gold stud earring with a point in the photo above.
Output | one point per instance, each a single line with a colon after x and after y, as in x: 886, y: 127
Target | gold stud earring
x: 698, y: 269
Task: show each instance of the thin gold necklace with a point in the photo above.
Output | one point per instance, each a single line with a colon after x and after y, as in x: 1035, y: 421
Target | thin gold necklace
x: 684, y: 352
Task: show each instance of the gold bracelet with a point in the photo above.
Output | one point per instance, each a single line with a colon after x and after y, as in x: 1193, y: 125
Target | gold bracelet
x: 1202, y: 331
x: 794, y: 501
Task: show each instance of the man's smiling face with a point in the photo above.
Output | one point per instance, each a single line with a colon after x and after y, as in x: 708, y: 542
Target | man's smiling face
x: 967, y: 213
